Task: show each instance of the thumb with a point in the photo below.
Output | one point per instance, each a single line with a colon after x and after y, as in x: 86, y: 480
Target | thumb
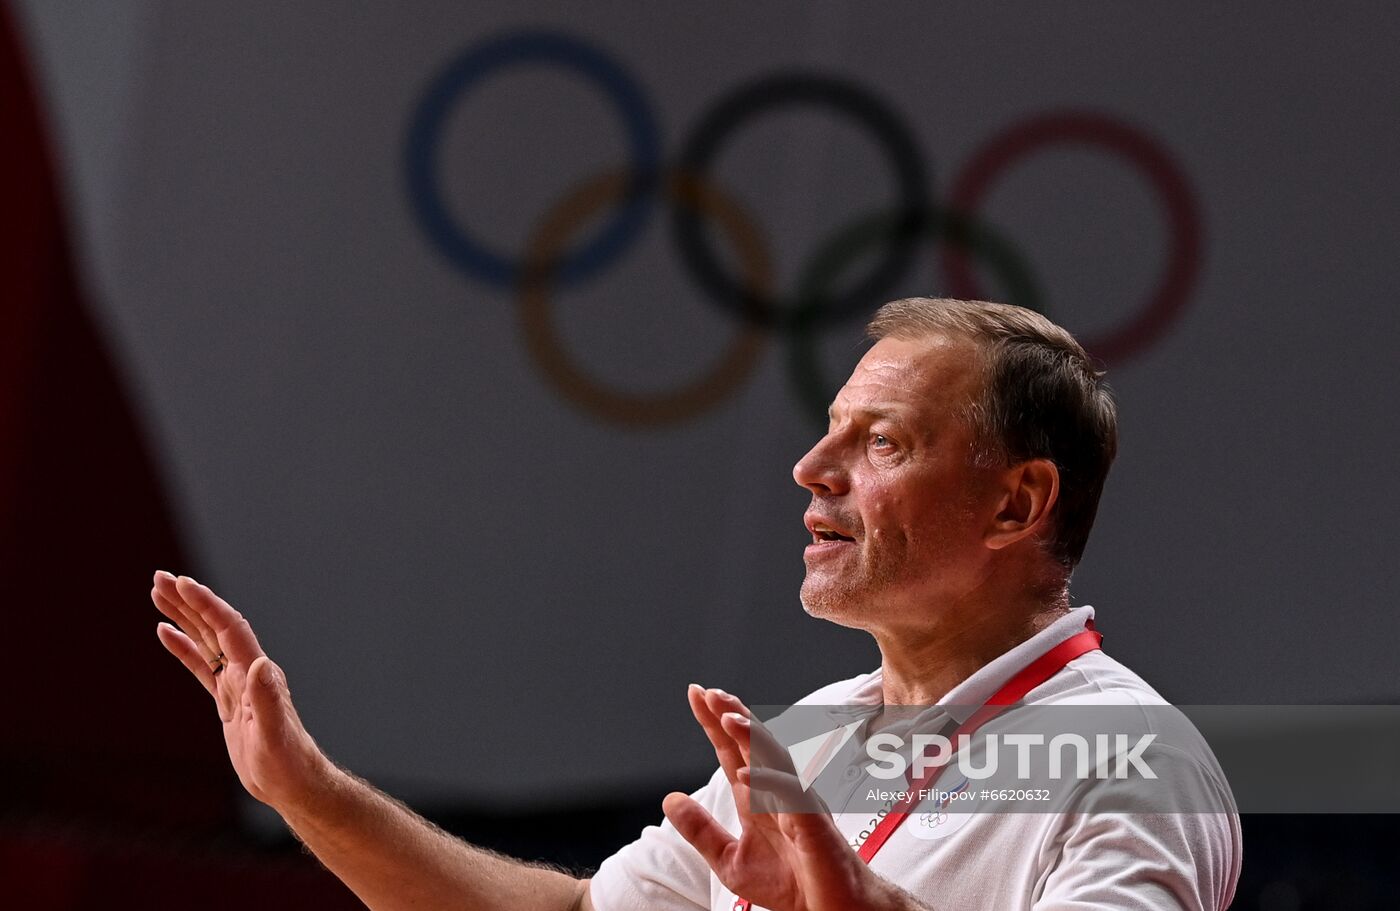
x: 268, y: 694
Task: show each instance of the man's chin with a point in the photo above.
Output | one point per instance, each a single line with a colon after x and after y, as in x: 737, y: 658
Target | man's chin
x: 838, y: 605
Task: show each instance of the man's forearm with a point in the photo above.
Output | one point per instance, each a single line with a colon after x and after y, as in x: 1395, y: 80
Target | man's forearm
x: 392, y: 858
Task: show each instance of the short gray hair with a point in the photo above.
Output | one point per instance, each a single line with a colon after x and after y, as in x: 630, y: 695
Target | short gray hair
x: 1042, y: 397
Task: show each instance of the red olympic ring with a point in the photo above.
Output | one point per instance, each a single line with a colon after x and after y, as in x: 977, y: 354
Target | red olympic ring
x: 1139, y: 149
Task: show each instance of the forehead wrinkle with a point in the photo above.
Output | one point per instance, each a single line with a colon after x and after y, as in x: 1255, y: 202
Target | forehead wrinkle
x: 920, y: 384
x: 903, y: 392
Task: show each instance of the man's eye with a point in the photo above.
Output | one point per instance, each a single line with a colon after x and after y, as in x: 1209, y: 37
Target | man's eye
x: 880, y: 440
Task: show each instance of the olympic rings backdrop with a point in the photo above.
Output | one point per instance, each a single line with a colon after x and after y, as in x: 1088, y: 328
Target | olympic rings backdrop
x: 473, y: 352
x: 912, y: 220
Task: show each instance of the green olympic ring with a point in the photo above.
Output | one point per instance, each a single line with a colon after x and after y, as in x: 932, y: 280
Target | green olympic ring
x: 837, y: 253
x: 817, y: 297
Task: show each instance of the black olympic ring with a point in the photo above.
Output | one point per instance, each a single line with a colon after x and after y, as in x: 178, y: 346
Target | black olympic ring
x: 759, y: 306
x: 780, y: 90
x: 837, y: 252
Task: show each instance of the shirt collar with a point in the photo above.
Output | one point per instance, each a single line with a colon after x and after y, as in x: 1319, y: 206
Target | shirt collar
x: 967, y: 697
x: 970, y: 695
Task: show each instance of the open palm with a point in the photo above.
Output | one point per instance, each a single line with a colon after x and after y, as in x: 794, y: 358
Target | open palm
x: 270, y: 750
x: 787, y: 861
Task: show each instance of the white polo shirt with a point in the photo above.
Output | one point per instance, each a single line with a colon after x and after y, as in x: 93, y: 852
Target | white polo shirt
x: 1001, y: 861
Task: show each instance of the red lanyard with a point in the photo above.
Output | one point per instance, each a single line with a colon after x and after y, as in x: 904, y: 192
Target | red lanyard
x: 1027, y: 679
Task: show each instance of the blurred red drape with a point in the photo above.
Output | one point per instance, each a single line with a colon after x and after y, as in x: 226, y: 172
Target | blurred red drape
x: 99, y: 722
x: 115, y: 790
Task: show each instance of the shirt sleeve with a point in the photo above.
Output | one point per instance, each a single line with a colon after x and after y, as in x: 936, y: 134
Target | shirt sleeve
x: 660, y: 870
x: 1126, y: 861
x: 1150, y: 862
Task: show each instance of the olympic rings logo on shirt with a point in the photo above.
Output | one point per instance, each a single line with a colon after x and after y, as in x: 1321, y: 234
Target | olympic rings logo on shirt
x: 553, y: 259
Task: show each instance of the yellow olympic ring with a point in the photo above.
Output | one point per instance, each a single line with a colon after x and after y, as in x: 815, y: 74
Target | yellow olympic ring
x: 637, y: 409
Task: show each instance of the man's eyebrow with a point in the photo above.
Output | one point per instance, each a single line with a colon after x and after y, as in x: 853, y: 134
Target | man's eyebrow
x: 889, y: 414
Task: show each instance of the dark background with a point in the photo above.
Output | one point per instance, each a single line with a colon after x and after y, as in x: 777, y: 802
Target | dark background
x: 243, y: 337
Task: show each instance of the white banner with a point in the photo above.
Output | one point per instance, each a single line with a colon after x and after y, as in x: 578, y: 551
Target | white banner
x: 492, y: 539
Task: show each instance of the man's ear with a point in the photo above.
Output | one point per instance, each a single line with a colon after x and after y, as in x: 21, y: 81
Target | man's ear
x: 1029, y: 491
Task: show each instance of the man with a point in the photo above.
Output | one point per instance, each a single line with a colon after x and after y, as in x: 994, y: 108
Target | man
x: 952, y: 496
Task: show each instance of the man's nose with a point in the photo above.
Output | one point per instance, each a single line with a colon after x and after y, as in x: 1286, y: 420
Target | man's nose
x: 819, y: 471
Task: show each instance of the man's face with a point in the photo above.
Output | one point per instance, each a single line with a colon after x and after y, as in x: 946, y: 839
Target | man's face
x: 898, y: 506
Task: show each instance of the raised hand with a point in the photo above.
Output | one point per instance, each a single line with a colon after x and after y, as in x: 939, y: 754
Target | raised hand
x: 787, y: 861
x: 274, y: 756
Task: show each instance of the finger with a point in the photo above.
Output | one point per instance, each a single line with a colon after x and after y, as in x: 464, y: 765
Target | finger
x: 234, y: 636
x: 165, y: 583
x: 168, y: 587
x: 173, y: 611
x: 182, y: 647
x: 737, y: 727
x: 756, y: 742
x: 201, y: 636
x: 196, y: 662
x: 699, y: 828
x: 825, y: 863
x: 720, y: 702
x: 165, y: 586
x: 774, y: 791
x: 726, y: 750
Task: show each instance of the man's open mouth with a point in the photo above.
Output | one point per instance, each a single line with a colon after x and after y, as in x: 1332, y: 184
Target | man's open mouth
x: 822, y: 532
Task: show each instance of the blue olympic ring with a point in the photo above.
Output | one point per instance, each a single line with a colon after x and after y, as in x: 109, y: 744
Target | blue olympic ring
x: 798, y: 314
x: 425, y: 134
